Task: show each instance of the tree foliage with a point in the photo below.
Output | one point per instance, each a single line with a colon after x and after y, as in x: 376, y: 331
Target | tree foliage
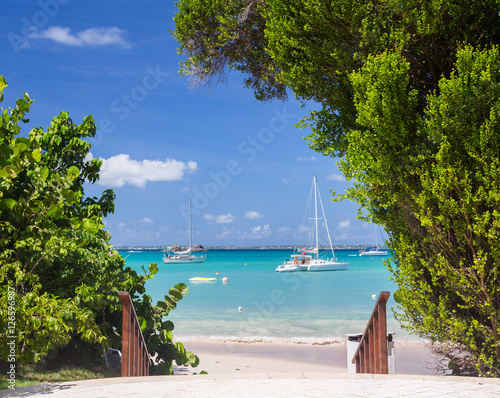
x: 218, y: 34
x: 55, y: 253
x: 437, y: 191
x: 408, y: 96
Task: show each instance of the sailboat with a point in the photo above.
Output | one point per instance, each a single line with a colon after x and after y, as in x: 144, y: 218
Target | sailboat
x: 374, y: 250
x: 185, y: 256
x: 309, y: 259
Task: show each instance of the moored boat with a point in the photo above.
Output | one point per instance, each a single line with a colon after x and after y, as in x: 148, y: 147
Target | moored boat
x: 309, y: 259
x: 185, y: 256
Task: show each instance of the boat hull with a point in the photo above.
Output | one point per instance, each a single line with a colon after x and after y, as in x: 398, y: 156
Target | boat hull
x: 325, y: 266
x: 287, y: 268
x: 314, y: 265
x: 184, y: 260
x: 373, y: 253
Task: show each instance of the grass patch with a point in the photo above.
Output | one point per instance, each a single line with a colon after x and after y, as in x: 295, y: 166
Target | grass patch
x: 28, y: 375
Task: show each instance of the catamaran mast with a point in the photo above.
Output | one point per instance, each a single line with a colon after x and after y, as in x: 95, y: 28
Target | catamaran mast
x: 190, y: 228
x: 316, y: 214
x: 326, y: 225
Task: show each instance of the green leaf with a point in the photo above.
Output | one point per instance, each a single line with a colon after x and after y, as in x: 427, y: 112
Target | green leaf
x: 19, y: 148
x: 142, y: 323
x: 397, y: 296
x: 55, y: 212
x: 183, y: 288
x: 3, y: 84
x: 70, y: 196
x: 175, y: 293
x: 7, y: 203
x: 37, y: 155
x: 168, y: 325
x: 166, y: 335
x: 73, y: 172
x: 153, y: 268
x: 44, y: 172
x: 193, y: 360
x: 181, y: 351
x: 171, y: 303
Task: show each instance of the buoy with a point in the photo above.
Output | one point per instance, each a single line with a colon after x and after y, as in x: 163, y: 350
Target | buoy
x: 216, y: 273
x: 240, y: 309
x: 224, y: 279
x: 245, y: 263
x: 374, y: 296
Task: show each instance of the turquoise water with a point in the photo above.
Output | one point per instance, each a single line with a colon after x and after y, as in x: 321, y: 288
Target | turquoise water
x: 297, y: 306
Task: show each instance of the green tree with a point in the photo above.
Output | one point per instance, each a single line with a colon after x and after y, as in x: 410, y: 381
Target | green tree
x: 55, y: 253
x: 408, y: 98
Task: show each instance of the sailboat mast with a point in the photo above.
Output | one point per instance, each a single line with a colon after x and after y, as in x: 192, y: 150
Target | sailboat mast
x: 190, y: 227
x: 316, y: 214
x: 326, y: 225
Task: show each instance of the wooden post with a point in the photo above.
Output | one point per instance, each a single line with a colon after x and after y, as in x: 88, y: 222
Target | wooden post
x: 135, y: 356
x: 371, y: 355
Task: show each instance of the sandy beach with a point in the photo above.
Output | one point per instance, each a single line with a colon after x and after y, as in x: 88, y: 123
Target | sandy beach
x: 232, y: 356
x: 277, y: 369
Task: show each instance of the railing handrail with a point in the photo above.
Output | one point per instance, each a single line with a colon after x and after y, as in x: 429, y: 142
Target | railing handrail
x: 371, y: 354
x: 135, y: 356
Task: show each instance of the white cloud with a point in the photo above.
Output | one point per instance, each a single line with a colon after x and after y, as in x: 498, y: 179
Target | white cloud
x: 120, y: 170
x: 335, y: 177
x: 122, y: 225
x: 252, y: 215
x: 310, y: 159
x: 284, y: 230
x: 224, y: 234
x: 147, y: 220
x: 92, y: 37
x: 345, y: 224
x: 286, y: 180
x: 220, y: 219
x: 224, y: 219
x: 260, y: 231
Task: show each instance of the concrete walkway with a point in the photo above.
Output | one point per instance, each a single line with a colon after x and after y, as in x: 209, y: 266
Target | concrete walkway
x: 263, y: 385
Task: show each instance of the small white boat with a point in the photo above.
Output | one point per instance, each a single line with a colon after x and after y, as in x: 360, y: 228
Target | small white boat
x: 287, y: 266
x: 184, y: 257
x: 373, y: 251
x: 312, y: 261
x: 199, y: 279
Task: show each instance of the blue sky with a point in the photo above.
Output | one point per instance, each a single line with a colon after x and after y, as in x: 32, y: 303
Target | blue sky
x: 244, y: 163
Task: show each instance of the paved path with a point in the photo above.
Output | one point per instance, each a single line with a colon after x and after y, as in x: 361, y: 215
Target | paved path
x: 265, y: 385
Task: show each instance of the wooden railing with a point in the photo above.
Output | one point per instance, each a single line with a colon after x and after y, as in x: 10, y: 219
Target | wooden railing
x: 135, y: 356
x: 371, y: 355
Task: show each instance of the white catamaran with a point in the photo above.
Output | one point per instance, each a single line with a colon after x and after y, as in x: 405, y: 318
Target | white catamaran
x: 374, y: 250
x: 308, y: 259
x: 184, y: 257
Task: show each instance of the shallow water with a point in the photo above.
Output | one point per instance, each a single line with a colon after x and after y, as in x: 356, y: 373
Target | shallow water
x: 282, y: 306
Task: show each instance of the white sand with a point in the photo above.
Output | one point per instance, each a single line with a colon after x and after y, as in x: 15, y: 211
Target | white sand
x: 265, y: 357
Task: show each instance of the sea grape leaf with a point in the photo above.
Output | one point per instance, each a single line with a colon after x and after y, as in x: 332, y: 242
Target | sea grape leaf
x: 183, y: 288
x: 175, y: 293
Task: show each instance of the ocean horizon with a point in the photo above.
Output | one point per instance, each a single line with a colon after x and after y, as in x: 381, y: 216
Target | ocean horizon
x: 258, y: 304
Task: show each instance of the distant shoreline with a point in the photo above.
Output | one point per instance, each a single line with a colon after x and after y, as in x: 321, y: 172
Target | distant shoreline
x: 270, y: 247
